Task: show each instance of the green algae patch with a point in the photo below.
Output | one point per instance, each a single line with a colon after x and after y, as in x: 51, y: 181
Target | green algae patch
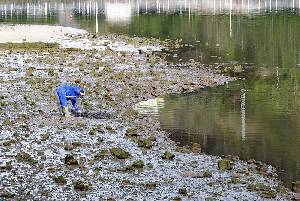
x: 224, y: 164
x: 263, y: 190
x: 119, y: 153
x: 25, y: 158
x: 131, y: 132
x: 168, y: 156
x: 146, y: 143
x: 59, y: 180
x: 196, y: 148
x: 268, y: 194
x: 138, y: 164
x: 29, y: 46
x: 101, y: 155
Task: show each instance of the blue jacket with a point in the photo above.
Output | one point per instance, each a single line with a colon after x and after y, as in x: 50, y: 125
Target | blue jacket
x: 69, y: 92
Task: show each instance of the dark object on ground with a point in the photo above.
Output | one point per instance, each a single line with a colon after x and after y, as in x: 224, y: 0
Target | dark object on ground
x: 94, y: 115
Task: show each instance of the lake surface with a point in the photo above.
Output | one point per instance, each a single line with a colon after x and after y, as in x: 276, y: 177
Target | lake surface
x: 256, y: 117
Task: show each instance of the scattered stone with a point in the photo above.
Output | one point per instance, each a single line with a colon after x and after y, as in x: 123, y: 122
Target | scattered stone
x: 70, y: 160
x: 235, y: 180
x: 45, y: 137
x: 168, y: 156
x: 6, y: 167
x: 7, y: 194
x: 224, y: 164
x: 151, y: 185
x: 296, y: 197
x: 177, y: 198
x: 9, y: 142
x: 119, y: 153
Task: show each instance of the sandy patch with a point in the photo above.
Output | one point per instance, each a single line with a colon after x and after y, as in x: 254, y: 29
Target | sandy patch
x: 35, y: 33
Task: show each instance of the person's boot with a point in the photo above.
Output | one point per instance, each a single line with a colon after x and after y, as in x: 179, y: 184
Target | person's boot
x: 66, y: 112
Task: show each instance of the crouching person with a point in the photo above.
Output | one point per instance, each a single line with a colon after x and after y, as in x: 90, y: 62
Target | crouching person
x: 66, y: 93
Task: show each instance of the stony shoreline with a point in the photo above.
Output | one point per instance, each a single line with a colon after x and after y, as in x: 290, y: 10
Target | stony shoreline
x: 112, y: 152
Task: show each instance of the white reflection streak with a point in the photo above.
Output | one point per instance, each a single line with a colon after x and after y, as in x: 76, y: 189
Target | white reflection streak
x: 189, y: 12
x: 230, y: 20
x: 248, y: 6
x: 46, y: 11
x: 293, y: 4
x: 62, y: 7
x: 147, y: 6
x: 27, y: 10
x: 79, y: 9
x: 214, y: 6
x: 96, y: 11
x: 11, y: 9
x: 243, y: 114
x: 118, y: 12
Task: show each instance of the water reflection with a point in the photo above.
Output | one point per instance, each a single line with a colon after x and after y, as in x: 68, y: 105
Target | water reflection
x: 124, y: 9
x: 261, y: 122
x: 151, y: 106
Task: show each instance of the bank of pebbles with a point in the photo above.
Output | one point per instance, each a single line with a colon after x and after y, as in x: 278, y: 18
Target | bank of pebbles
x: 116, y: 74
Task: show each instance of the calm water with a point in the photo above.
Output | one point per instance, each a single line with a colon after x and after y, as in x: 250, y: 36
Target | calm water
x: 255, y: 118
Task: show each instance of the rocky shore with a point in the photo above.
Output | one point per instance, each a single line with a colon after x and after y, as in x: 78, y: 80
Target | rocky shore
x: 111, y: 152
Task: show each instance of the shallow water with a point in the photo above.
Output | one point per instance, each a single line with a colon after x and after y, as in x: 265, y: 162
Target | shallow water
x: 257, y: 118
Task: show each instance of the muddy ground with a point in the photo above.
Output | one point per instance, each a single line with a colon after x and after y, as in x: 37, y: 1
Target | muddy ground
x: 111, y: 152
